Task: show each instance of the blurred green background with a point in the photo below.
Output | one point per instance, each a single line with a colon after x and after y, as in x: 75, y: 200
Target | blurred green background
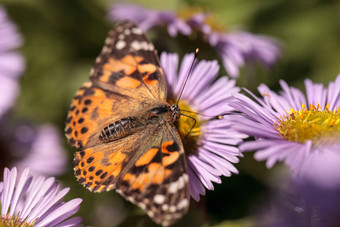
x: 63, y: 37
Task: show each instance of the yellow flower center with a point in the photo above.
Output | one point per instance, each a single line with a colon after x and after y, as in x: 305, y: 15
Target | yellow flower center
x: 313, y: 123
x: 14, y: 222
x: 187, y: 128
x: 210, y: 19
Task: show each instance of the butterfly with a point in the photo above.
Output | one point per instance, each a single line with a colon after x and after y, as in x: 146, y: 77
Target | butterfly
x: 124, y: 132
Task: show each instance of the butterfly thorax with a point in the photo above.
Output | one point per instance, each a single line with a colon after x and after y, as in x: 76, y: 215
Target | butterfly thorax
x: 155, y: 116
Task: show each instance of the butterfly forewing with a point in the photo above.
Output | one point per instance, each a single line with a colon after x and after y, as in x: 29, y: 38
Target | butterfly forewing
x: 128, y: 64
x: 123, y: 80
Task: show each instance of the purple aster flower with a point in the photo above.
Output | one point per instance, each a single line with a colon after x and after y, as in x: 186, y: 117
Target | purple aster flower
x: 302, y: 131
x: 40, y: 149
x: 210, y: 145
x: 147, y: 19
x: 236, y: 48
x: 28, y: 201
x: 11, y: 63
x: 299, y: 204
x: 240, y: 48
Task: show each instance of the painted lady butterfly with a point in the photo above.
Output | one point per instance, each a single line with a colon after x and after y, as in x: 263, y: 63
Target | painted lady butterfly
x: 123, y: 129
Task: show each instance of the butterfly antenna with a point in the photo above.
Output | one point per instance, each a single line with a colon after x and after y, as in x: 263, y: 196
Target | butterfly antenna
x: 189, y: 73
x: 217, y: 117
x: 214, y: 117
x: 192, y: 126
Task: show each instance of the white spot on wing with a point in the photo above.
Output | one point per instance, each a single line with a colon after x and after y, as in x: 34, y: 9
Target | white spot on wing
x: 142, y: 205
x: 136, y: 45
x: 150, y: 213
x: 180, y: 183
x: 105, y: 49
x: 120, y: 44
x: 173, y: 188
x: 108, y: 40
x: 131, y: 199
x: 182, y: 204
x: 159, y: 199
x: 165, y: 207
x: 127, y: 32
x: 151, y: 47
x: 137, y: 31
x: 91, y: 71
x: 185, y: 176
x: 172, y: 209
x: 110, y: 187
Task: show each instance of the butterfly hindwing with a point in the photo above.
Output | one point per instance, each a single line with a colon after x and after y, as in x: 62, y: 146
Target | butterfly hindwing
x: 148, y: 169
x: 158, y: 180
x: 99, y: 167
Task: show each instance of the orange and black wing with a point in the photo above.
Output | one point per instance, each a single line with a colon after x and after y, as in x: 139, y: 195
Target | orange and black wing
x: 91, y: 110
x: 147, y: 168
x: 157, y: 181
x: 125, y: 79
x: 128, y: 64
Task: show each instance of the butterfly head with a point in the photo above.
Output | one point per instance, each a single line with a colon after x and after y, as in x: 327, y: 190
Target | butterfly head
x: 175, y: 112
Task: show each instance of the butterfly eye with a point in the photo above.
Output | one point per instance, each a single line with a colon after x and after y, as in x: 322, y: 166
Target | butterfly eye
x: 174, y: 108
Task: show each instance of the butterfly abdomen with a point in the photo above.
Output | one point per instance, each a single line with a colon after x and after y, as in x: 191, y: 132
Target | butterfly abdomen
x: 119, y: 129
x: 128, y: 125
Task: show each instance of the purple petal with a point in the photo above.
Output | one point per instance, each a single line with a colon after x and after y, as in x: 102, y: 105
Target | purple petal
x: 61, y: 213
